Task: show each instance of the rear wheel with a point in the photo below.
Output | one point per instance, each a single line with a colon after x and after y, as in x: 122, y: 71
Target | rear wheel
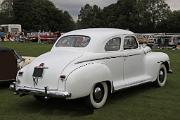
x: 98, y: 95
x: 162, y: 76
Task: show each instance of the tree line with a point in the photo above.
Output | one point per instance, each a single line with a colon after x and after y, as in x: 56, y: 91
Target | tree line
x: 36, y: 15
x: 140, y: 16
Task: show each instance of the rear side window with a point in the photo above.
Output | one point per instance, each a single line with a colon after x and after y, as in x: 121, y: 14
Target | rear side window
x: 113, y: 44
x: 73, y: 41
x: 130, y: 43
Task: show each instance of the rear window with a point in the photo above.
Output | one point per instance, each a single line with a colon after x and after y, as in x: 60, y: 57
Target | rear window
x: 73, y: 41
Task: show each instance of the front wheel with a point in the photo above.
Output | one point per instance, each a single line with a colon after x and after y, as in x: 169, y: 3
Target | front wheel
x: 98, y: 95
x: 162, y: 76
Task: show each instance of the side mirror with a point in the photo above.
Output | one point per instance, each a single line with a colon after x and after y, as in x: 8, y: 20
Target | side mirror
x: 144, y: 45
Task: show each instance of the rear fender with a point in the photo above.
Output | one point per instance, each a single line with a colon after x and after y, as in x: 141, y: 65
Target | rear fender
x: 81, y: 81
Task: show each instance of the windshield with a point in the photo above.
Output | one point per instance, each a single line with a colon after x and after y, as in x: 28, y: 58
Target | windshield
x: 73, y: 41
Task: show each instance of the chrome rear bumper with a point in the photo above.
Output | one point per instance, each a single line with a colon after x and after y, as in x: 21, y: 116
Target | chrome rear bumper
x: 18, y: 90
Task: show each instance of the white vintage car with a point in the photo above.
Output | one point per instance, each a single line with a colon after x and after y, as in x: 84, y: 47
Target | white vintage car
x: 92, y: 63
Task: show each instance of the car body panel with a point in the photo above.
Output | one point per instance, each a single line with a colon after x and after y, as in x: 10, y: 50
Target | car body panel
x: 75, y: 70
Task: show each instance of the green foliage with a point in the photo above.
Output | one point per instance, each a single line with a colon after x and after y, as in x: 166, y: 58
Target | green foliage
x: 41, y: 15
x: 172, y: 24
x: 36, y: 15
x: 5, y: 19
x: 90, y: 16
x: 135, y: 15
x: 123, y: 15
x: 152, y: 13
x: 6, y: 12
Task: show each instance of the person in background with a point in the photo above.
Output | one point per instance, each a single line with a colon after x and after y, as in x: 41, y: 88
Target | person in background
x: 17, y: 36
x: 12, y: 37
x: 39, y: 36
x: 2, y: 34
x: 8, y: 35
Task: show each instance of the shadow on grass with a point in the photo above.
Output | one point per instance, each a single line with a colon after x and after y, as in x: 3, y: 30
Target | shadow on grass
x: 132, y: 91
x: 56, y: 107
x: 4, y: 85
x: 59, y: 107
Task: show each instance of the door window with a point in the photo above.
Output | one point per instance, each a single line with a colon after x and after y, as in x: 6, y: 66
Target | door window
x: 113, y: 44
x: 130, y: 43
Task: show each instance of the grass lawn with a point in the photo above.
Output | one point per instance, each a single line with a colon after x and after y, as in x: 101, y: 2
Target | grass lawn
x: 28, y: 49
x: 143, y: 102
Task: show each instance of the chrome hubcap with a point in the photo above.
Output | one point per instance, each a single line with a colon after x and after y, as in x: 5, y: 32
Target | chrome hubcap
x: 98, y: 93
x: 161, y: 75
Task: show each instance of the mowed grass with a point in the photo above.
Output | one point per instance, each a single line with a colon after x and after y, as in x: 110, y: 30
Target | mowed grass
x: 28, y: 49
x: 144, y: 102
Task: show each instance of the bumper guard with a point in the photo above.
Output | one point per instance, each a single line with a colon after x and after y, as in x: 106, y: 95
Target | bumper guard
x: 22, y: 91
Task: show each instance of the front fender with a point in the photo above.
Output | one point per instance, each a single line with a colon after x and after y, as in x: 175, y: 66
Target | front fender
x: 153, y: 60
x: 80, y: 82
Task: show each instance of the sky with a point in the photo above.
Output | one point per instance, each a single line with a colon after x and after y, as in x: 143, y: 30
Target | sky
x: 74, y: 6
x: 174, y: 4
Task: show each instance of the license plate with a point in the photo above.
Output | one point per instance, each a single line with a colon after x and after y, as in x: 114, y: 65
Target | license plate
x: 38, y: 72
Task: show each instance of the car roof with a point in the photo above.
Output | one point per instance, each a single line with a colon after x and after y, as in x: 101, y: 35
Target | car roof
x: 99, y: 32
x: 98, y: 36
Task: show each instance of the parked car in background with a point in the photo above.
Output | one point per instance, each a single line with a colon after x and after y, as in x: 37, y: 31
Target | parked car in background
x: 166, y: 41
x: 148, y: 39
x: 92, y: 63
x: 10, y: 63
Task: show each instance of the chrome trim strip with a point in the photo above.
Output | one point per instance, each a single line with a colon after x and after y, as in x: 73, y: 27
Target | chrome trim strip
x: 133, y: 55
x: 113, y: 57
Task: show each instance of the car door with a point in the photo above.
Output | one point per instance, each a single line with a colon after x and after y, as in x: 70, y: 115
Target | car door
x: 115, y: 62
x: 133, y: 61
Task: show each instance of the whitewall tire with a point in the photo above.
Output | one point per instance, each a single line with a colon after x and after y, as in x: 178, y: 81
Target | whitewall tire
x: 162, y: 76
x: 98, y: 95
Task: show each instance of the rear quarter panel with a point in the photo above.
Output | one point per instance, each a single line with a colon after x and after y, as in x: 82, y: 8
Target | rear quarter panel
x: 81, y: 81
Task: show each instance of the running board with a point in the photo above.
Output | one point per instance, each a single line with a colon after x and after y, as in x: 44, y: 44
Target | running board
x: 133, y: 84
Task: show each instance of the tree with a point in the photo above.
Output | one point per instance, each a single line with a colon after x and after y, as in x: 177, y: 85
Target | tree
x: 123, y: 15
x: 90, y: 16
x: 172, y: 24
x: 6, y: 12
x: 135, y: 15
x: 40, y: 15
x: 68, y: 23
x: 151, y: 13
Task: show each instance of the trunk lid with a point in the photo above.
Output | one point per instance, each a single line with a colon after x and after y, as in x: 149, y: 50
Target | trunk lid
x: 54, y: 64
